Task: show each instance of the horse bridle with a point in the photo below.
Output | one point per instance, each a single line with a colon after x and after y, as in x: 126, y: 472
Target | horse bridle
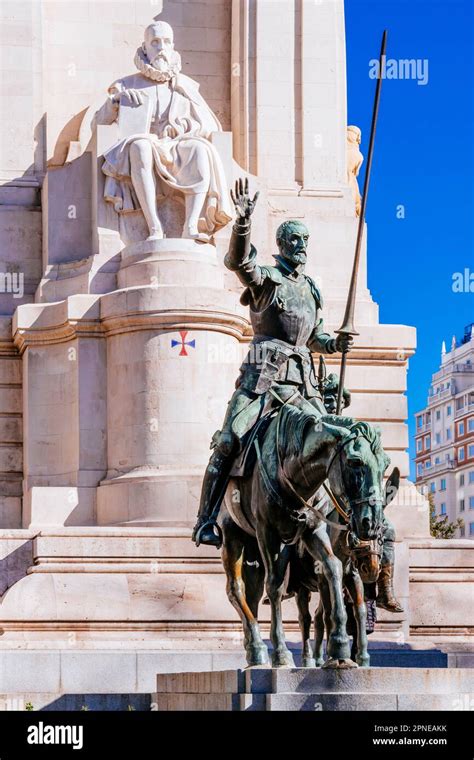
x: 359, y: 547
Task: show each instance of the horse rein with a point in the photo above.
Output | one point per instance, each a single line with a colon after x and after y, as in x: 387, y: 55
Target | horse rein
x: 289, y: 485
x: 360, y: 547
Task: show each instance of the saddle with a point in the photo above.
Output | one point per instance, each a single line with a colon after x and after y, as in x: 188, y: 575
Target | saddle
x: 244, y: 462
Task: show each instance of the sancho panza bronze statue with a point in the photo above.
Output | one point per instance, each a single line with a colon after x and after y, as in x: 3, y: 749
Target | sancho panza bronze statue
x: 285, y: 312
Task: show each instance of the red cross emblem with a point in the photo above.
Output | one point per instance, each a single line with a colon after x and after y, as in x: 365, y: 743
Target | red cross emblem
x: 183, y: 343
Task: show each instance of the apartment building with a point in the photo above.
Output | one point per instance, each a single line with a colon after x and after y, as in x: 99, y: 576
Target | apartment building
x: 444, y: 436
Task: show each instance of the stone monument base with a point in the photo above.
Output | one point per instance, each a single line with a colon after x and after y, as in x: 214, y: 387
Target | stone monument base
x: 314, y: 690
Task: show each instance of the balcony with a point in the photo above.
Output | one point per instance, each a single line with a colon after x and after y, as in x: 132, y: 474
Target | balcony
x: 437, y: 397
x: 426, y: 428
x: 448, y: 464
x: 461, y: 412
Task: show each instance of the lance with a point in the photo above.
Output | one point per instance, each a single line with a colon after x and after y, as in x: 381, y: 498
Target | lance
x: 347, y: 326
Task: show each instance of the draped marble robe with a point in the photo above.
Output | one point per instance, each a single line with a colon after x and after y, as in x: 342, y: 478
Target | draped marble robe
x: 179, y: 141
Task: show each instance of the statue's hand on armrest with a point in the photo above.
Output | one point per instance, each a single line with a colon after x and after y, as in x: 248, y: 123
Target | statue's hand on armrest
x: 244, y: 205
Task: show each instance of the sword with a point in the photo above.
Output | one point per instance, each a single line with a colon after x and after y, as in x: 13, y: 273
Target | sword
x: 347, y: 326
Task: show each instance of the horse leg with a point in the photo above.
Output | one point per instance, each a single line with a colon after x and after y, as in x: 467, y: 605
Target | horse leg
x: 355, y: 588
x: 322, y: 622
x: 275, y: 562
x: 232, y: 558
x: 319, y: 546
x: 303, y: 597
x: 254, y: 580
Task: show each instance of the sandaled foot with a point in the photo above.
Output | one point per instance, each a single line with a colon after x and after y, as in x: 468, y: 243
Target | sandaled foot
x: 389, y: 604
x: 199, y: 237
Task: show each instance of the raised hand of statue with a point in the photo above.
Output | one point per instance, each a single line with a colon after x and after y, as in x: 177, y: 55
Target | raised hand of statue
x: 244, y: 205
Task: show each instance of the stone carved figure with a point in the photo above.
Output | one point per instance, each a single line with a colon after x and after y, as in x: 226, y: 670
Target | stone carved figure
x: 354, y: 162
x: 164, y: 148
x: 285, y: 311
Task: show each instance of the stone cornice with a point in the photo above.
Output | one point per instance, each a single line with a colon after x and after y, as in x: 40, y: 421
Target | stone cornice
x: 82, y: 316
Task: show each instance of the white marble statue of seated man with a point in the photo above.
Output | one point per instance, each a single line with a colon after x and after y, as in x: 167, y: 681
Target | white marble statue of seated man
x: 168, y: 149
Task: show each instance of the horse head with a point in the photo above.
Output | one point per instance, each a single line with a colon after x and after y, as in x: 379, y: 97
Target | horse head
x: 356, y: 474
x: 350, y: 456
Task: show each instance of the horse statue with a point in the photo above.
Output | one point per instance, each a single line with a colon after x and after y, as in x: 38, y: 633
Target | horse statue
x: 360, y: 565
x: 267, y: 513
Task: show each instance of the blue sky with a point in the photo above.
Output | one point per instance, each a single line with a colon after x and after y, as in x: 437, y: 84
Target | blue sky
x: 423, y: 160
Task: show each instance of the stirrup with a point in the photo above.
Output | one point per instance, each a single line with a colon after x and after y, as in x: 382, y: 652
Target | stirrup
x: 208, y: 523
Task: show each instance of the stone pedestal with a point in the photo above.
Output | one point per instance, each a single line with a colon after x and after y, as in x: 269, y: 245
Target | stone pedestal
x: 314, y: 690
x: 122, y: 390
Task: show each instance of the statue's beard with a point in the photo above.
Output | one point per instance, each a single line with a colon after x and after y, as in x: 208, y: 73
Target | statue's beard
x: 295, y: 258
x: 164, y: 66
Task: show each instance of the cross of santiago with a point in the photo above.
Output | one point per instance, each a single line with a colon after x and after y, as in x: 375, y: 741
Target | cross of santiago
x: 183, y: 343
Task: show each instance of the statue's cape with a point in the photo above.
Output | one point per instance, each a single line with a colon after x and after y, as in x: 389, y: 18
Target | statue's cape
x: 181, y: 84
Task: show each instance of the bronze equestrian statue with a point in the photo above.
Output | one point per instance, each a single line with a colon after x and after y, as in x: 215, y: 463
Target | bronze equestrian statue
x: 299, y: 450
x: 303, y: 580
x: 268, y: 511
x: 285, y: 312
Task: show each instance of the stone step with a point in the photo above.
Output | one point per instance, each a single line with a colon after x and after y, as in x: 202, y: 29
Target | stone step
x: 313, y: 689
x: 292, y: 702
x: 52, y: 702
x: 320, y: 681
x: 366, y: 680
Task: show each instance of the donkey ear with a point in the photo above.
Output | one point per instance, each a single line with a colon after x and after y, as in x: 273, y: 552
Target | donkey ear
x: 391, y: 486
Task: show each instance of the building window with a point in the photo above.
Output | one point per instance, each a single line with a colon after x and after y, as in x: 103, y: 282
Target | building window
x: 442, y: 484
x: 461, y: 428
x: 461, y: 479
x: 471, y: 529
x: 471, y: 450
x: 419, y: 421
x: 471, y: 502
x: 448, y: 410
x: 419, y: 444
x: 459, y: 403
x: 443, y: 509
x: 438, y: 414
x: 437, y: 460
x: 438, y: 437
x: 432, y: 487
x: 471, y: 477
x: 462, y: 505
x: 448, y: 434
x: 470, y: 425
x: 461, y: 454
x: 427, y: 442
x: 419, y: 469
x: 462, y: 532
x: 427, y: 464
